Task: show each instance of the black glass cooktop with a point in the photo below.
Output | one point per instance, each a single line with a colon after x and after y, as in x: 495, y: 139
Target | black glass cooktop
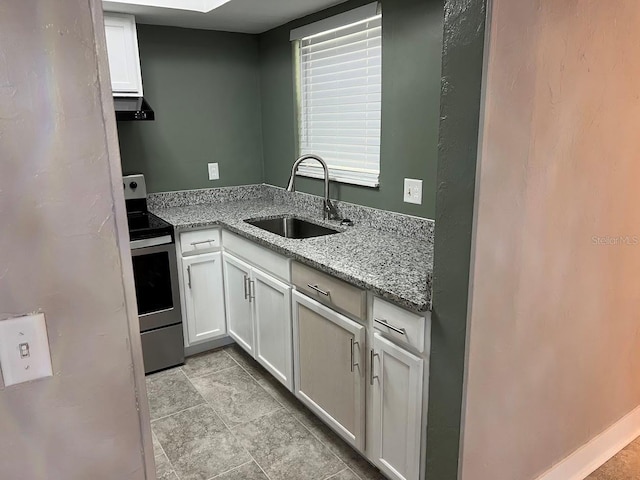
x: 147, y: 225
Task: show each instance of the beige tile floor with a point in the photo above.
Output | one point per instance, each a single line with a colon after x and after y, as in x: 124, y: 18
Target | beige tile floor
x: 222, y: 416
x: 625, y: 465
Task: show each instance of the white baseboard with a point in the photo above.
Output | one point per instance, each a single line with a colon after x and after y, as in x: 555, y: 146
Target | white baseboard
x: 597, y: 451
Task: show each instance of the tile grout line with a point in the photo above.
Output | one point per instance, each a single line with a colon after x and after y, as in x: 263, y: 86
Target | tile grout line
x: 282, y: 406
x: 338, y: 473
x: 221, y: 349
x: 246, y: 450
x: 153, y: 434
x: 328, y: 447
x: 173, y: 469
x: 229, y: 429
x: 321, y: 443
x: 210, y: 373
x: 231, y: 470
x: 179, y: 411
x: 243, y: 368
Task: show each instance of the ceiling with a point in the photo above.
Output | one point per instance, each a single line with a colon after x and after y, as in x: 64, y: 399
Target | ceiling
x: 245, y: 16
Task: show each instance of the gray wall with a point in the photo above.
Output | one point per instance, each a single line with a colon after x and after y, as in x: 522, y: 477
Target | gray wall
x: 204, y: 88
x: 554, y: 349
x: 63, y: 251
x: 412, y: 53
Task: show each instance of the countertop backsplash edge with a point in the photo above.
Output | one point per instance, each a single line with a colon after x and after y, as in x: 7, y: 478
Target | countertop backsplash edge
x: 383, y: 220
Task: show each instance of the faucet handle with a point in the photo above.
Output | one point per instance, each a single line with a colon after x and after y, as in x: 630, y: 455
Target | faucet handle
x: 331, y: 211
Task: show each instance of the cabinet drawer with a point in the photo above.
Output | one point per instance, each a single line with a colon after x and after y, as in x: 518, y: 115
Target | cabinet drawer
x: 200, y: 241
x: 330, y: 290
x: 399, y: 324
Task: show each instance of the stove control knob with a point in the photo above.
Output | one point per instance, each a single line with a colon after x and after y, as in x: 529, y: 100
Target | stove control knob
x: 133, y: 185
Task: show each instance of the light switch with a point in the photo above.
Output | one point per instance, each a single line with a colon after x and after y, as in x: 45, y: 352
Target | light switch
x: 24, y: 349
x: 214, y: 173
x: 413, y: 191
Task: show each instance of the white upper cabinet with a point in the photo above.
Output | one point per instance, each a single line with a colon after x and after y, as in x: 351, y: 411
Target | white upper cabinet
x: 124, y: 59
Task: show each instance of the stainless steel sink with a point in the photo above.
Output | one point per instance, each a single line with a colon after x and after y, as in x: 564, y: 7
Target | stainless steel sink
x: 291, y: 227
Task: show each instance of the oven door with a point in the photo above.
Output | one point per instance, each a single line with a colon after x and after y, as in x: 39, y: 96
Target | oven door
x: 156, y: 280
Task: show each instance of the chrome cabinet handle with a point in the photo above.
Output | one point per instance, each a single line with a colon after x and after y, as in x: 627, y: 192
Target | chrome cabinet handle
x: 372, y: 377
x: 353, y: 364
x: 401, y: 331
x: 209, y: 240
x: 252, y: 290
x: 244, y: 284
x: 321, y: 292
x: 189, y: 275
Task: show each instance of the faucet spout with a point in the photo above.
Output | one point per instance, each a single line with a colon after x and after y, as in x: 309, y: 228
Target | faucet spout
x: 329, y: 210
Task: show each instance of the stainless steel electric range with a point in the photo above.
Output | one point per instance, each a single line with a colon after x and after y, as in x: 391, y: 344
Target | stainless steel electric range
x: 156, y: 280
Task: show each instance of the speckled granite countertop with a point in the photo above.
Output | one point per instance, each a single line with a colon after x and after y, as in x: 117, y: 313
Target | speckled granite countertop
x: 396, y: 267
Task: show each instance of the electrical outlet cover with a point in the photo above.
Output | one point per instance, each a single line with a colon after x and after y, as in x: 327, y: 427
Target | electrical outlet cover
x: 413, y: 191
x: 24, y: 349
x: 214, y: 173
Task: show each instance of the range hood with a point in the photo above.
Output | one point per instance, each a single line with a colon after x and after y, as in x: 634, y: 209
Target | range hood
x: 133, y: 108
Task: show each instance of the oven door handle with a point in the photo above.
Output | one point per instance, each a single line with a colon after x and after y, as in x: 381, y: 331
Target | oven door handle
x: 150, y: 242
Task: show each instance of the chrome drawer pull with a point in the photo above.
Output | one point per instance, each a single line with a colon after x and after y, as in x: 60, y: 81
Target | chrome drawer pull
x: 246, y: 294
x: 401, y: 331
x: 353, y: 365
x: 211, y: 240
x: 321, y: 292
x: 371, y: 375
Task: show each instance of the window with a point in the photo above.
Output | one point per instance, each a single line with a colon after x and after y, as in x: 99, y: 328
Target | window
x: 339, y: 92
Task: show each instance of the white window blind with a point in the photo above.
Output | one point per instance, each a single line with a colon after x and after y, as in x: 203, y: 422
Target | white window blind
x: 339, y: 105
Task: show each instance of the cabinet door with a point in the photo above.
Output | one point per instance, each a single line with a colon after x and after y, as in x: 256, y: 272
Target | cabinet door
x: 237, y: 275
x: 272, y: 315
x: 204, y: 297
x: 122, y: 48
x: 328, y: 351
x: 396, y: 379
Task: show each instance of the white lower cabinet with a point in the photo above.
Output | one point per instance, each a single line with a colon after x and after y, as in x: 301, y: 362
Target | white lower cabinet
x: 396, y: 381
x: 329, y: 367
x: 272, y: 323
x: 259, y: 316
x: 204, y: 297
x: 237, y: 275
x: 317, y: 353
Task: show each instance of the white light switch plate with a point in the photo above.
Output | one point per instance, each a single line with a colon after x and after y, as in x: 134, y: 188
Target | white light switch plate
x: 214, y: 173
x: 24, y: 349
x: 413, y: 191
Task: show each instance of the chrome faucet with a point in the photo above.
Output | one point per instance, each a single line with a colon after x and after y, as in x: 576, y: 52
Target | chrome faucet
x: 329, y: 210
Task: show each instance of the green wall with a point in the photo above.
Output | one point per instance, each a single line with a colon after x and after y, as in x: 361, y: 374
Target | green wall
x: 230, y: 98
x: 204, y: 88
x: 411, y: 57
x: 462, y: 70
